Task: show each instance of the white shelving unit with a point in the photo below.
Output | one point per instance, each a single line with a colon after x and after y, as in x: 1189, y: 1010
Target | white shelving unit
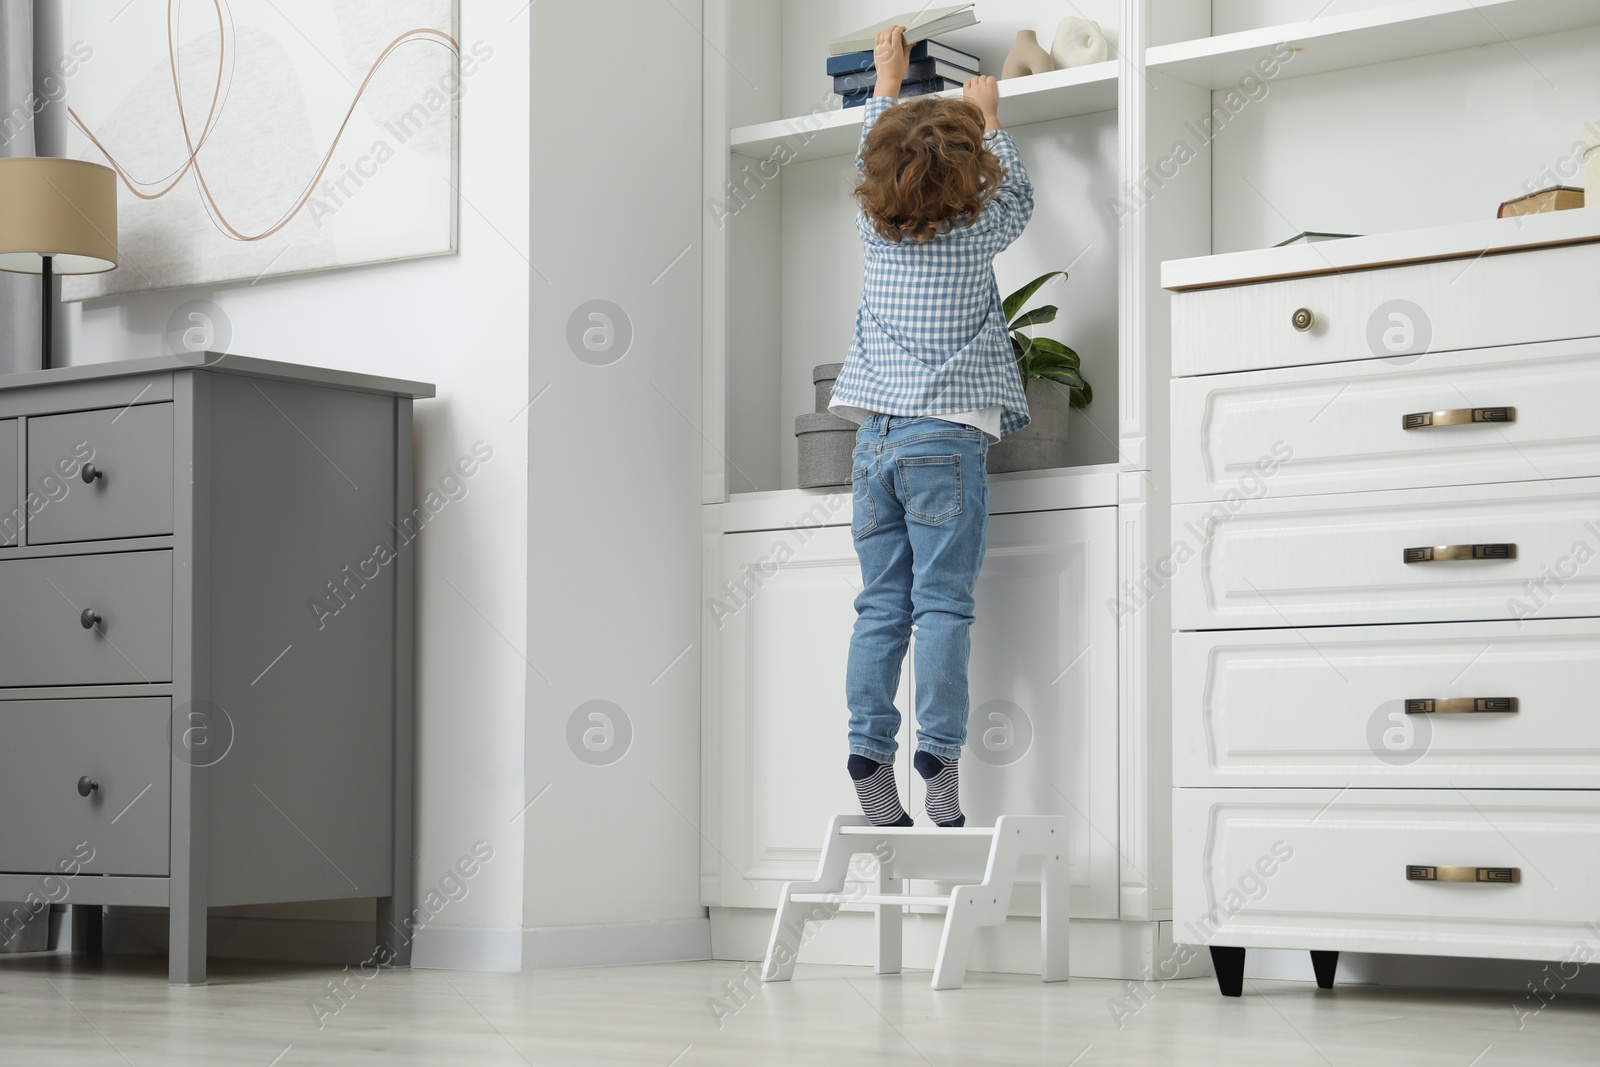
x: 1402, y: 30
x: 778, y: 259
x: 1058, y: 95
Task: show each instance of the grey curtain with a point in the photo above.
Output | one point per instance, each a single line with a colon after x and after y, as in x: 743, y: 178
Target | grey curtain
x: 19, y: 293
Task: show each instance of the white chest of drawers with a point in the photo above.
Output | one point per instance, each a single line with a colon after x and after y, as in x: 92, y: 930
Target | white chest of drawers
x: 1385, y: 584
x: 205, y: 666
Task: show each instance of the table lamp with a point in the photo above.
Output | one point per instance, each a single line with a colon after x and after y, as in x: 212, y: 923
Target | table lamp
x: 57, y: 216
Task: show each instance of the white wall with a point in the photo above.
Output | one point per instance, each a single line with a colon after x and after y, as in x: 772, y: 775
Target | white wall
x: 614, y: 519
x: 1404, y: 145
x: 461, y: 322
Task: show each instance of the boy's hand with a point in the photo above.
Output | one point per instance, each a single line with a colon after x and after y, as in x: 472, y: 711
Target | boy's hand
x: 984, y: 92
x: 892, y: 58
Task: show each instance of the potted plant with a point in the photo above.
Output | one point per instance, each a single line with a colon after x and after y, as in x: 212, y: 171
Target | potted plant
x: 1052, y: 378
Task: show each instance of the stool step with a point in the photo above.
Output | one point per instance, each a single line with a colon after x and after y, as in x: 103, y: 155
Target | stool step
x: 919, y: 831
x: 903, y: 899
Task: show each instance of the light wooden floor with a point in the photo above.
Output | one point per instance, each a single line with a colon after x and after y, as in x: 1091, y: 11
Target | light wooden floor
x: 66, y: 1010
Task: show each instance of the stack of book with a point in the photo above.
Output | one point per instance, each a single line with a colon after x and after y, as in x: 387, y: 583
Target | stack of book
x: 934, y: 66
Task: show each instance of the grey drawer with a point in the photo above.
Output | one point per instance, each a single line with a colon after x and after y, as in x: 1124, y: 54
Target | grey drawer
x: 124, y: 746
x: 10, y: 503
x: 133, y: 498
x: 42, y: 638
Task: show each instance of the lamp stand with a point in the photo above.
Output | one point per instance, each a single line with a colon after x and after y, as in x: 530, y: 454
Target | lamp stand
x: 47, y: 311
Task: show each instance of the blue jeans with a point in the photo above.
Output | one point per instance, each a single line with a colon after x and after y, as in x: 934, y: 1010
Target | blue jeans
x: 921, y: 516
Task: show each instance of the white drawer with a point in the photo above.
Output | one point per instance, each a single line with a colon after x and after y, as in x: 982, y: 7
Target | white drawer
x: 1274, y: 708
x: 1327, y: 561
x: 1493, y: 300
x: 1327, y: 869
x: 1341, y: 427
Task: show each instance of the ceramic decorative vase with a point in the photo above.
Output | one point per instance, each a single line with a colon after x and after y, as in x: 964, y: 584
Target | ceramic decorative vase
x: 1078, y: 43
x: 1027, y: 57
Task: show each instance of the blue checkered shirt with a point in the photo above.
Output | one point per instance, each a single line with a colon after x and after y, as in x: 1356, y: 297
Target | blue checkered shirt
x: 930, y: 338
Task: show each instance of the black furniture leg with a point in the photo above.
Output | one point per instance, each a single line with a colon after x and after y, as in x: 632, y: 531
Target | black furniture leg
x: 86, y: 927
x: 1324, y: 963
x: 1229, y: 965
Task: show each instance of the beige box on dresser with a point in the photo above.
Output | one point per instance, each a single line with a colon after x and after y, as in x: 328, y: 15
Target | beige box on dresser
x: 1386, y: 595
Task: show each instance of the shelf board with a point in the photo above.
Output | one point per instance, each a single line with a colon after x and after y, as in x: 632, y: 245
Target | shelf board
x: 904, y: 900
x: 1059, y: 94
x: 1339, y: 42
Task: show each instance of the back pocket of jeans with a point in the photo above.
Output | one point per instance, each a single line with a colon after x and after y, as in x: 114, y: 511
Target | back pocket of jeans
x: 932, y: 487
x: 863, y: 518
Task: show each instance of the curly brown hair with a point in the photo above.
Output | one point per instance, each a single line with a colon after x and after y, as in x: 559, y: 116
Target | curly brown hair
x: 925, y: 169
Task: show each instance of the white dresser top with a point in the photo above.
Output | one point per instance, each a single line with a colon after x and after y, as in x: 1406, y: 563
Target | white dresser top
x: 1461, y: 241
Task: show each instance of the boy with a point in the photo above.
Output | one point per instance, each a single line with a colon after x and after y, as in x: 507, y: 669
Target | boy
x: 932, y: 380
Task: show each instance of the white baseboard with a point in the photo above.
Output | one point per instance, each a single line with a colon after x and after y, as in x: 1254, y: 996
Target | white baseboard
x: 1100, y: 948
x: 661, y: 941
x: 456, y: 948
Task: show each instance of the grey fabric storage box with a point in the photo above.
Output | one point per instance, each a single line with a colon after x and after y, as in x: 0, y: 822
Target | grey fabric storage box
x: 826, y: 442
x: 823, y: 378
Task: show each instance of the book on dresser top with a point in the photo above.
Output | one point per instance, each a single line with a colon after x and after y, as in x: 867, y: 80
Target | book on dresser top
x: 920, y: 26
x: 859, y: 62
x: 1313, y: 237
x: 1555, y: 198
x: 922, y: 71
x: 907, y: 89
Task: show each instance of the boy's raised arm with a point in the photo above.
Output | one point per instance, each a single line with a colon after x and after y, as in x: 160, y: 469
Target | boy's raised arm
x: 891, y: 57
x: 1012, y: 203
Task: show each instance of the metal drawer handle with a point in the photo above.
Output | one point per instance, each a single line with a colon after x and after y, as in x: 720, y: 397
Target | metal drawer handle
x: 1492, y: 875
x: 87, y: 785
x: 1447, y: 553
x: 89, y: 618
x: 1303, y: 319
x: 1421, y: 420
x: 91, y: 472
x: 1460, y: 705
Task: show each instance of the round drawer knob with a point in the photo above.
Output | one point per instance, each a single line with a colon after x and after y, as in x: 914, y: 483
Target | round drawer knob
x: 1303, y: 320
x: 91, y: 472
x: 89, y: 618
x: 87, y: 785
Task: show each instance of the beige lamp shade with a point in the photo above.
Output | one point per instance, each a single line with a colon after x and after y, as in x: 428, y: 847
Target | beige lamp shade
x: 62, y: 208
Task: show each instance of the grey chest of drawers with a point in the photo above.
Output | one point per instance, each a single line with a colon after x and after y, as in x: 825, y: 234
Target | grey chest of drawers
x: 206, y: 641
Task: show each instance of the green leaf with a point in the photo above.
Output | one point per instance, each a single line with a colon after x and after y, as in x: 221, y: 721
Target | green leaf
x: 1051, y: 348
x: 1038, y: 316
x: 1014, y: 302
x: 1063, y: 376
x: 1082, y: 396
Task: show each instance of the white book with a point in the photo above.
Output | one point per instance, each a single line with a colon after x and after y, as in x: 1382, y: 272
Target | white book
x: 920, y: 26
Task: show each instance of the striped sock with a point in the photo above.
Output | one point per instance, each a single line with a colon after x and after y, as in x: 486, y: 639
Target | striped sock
x: 875, y: 788
x: 944, y: 788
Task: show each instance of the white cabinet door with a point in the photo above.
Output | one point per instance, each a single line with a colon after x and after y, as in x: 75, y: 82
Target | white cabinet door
x: 1343, y: 427
x: 1361, y: 557
x: 1332, y: 869
x: 1329, y: 707
x: 1043, y: 683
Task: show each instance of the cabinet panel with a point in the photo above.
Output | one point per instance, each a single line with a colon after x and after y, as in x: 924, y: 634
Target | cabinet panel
x: 1043, y: 690
x: 1328, y: 707
x: 1321, y: 561
x: 42, y: 637
x: 1341, y: 427
x: 1327, y: 869
x: 1441, y: 306
x: 11, y: 506
x: 124, y: 747
x: 132, y: 446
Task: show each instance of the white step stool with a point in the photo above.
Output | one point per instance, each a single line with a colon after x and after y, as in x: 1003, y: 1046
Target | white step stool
x: 986, y: 856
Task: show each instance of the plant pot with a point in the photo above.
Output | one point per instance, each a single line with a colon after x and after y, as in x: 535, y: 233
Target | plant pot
x: 823, y: 378
x: 1042, y: 443
x: 826, y: 442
